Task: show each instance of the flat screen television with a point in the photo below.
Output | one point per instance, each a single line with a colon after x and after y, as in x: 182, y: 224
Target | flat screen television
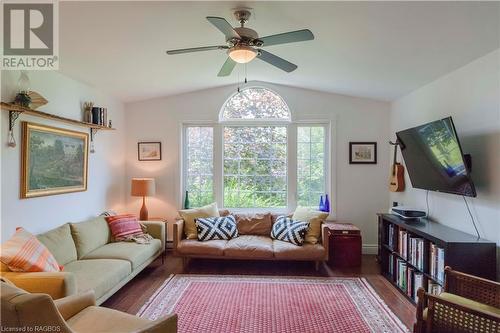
x: 434, y: 158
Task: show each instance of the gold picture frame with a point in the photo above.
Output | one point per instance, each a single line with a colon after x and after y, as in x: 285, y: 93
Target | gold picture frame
x: 54, y: 160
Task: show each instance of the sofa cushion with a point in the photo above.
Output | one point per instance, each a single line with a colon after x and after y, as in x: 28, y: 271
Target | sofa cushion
x: 288, y: 251
x: 190, y: 215
x: 100, y: 275
x: 90, y: 235
x: 101, y: 319
x: 254, y: 224
x: 60, y: 243
x: 315, y: 219
x: 208, y: 248
x: 136, y: 254
x: 469, y: 303
x: 249, y: 246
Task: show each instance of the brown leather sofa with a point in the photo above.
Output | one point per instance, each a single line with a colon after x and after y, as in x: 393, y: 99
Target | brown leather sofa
x: 253, y: 243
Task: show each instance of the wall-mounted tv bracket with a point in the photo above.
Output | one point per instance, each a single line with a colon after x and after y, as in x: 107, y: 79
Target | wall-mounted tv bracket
x: 397, y: 143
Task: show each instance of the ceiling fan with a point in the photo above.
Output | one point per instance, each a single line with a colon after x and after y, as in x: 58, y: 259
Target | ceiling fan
x: 244, y: 44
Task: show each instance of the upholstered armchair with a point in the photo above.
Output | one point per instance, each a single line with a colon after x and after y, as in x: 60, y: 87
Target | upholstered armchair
x: 26, y: 312
x: 467, y: 304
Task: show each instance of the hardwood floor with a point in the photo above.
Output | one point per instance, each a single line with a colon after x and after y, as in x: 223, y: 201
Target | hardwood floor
x: 132, y: 296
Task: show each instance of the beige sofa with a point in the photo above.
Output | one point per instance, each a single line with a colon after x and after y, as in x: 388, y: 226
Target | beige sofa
x: 25, y: 312
x: 249, y: 245
x: 91, y: 261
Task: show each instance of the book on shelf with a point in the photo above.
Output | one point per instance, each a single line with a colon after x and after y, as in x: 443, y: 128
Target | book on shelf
x: 391, y: 265
x: 408, y: 279
x: 416, y: 252
x: 403, y: 243
x: 436, y: 262
x: 401, y: 274
x: 434, y: 288
x: 390, y: 236
x: 418, y: 281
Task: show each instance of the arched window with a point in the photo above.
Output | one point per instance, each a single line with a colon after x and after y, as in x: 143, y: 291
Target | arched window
x: 255, y: 103
x: 251, y: 144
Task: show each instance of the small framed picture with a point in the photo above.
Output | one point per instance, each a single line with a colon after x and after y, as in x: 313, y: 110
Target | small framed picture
x: 362, y: 153
x: 149, y: 151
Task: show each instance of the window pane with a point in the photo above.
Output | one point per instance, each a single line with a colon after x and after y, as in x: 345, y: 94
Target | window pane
x: 199, y: 165
x: 310, y: 165
x: 255, y: 103
x: 255, y: 166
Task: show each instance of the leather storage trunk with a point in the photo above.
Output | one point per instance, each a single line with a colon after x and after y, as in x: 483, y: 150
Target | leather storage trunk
x: 345, y: 245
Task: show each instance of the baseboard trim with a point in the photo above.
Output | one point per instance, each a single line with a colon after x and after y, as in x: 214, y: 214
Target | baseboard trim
x: 370, y: 248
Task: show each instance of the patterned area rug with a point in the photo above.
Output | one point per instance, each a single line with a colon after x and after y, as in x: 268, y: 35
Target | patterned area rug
x: 244, y: 304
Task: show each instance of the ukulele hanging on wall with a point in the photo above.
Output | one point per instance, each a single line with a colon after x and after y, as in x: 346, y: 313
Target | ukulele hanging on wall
x: 397, y: 178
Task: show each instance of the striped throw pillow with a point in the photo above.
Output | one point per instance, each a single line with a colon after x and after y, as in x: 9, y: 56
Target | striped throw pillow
x: 288, y: 230
x: 23, y: 252
x: 123, y: 227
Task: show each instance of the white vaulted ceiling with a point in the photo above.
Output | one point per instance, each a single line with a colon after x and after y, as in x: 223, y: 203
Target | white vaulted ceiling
x: 380, y: 50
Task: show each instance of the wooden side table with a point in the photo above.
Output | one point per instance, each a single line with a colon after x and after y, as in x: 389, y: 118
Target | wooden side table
x: 162, y: 219
x: 345, y: 245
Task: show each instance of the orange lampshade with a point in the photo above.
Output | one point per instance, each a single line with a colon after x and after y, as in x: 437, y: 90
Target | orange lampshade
x: 143, y: 187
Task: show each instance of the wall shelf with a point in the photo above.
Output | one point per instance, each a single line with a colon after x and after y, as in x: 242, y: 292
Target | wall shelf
x: 16, y: 110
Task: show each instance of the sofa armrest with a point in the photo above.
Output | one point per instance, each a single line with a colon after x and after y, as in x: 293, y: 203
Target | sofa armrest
x: 178, y: 233
x: 157, y: 230
x: 325, y: 235
x: 167, y: 324
x: 71, y: 305
x: 55, y: 284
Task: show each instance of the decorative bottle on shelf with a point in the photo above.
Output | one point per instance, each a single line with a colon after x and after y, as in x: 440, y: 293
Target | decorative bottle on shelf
x: 186, y: 201
x: 327, y: 204
x: 321, y: 204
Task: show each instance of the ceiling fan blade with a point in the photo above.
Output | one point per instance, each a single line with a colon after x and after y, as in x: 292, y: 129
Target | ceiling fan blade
x: 197, y: 49
x: 224, y: 26
x: 227, y: 68
x: 276, y: 61
x: 288, y: 37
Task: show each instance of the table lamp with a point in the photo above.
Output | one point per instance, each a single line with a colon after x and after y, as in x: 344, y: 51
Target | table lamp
x: 143, y: 187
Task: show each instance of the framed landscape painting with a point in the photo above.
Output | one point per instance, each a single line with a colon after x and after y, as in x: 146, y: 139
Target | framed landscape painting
x: 362, y: 153
x: 54, y: 161
x: 149, y: 151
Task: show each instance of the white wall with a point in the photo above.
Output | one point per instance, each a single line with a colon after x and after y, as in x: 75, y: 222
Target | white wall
x: 106, y: 167
x: 471, y: 95
x: 360, y: 191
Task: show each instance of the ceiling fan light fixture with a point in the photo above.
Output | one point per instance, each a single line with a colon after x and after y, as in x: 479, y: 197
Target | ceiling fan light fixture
x: 242, y: 54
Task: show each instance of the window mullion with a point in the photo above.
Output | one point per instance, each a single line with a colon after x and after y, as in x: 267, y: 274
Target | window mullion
x: 218, y: 181
x: 292, y: 167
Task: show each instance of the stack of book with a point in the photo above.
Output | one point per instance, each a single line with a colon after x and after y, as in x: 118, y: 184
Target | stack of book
x: 416, y: 252
x: 403, y: 243
x: 436, y: 262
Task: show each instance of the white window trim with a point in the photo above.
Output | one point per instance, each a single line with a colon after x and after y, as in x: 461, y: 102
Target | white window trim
x: 218, y: 161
